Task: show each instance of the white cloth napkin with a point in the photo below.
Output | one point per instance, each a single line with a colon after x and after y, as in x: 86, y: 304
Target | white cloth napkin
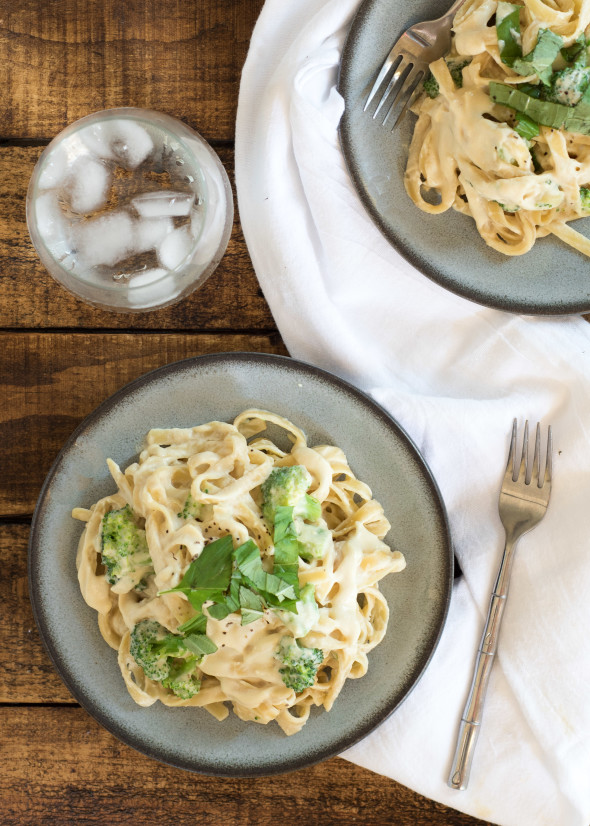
x: 454, y: 374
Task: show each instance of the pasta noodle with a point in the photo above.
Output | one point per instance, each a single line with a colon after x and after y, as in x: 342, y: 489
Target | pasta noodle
x: 503, y: 130
x: 190, y: 489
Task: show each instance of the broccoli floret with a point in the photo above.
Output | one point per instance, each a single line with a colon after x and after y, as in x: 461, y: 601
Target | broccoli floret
x: 299, y: 665
x: 568, y: 85
x: 149, y: 647
x: 191, y: 508
x: 585, y: 198
x: 314, y: 540
x: 307, y: 616
x: 430, y: 84
x: 124, y: 549
x: 164, y: 658
x: 182, y: 679
x: 287, y: 487
x: 456, y: 70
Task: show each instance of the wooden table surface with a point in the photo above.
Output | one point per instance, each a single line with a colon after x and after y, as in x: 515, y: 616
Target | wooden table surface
x: 60, y: 358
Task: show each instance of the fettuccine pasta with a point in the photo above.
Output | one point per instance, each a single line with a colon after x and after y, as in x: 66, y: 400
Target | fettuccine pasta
x: 503, y: 130
x: 194, y: 490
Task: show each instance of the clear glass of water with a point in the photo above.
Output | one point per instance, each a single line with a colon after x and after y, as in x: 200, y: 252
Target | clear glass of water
x: 129, y: 209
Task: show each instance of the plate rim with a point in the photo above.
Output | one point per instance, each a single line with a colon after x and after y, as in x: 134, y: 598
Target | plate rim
x: 480, y: 297
x: 114, y: 727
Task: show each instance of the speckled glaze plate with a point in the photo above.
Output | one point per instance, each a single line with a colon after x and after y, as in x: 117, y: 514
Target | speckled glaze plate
x: 329, y: 410
x: 551, y: 279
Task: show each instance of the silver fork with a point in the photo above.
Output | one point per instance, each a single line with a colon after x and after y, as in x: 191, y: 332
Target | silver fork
x: 409, y: 59
x: 523, y: 502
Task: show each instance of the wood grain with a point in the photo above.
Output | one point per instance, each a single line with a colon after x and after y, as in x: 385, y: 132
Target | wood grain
x: 63, y: 60
x: 60, y: 766
x: 30, y: 298
x: 26, y: 673
x: 52, y: 382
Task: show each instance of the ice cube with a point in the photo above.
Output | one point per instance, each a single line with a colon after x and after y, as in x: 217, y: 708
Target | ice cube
x: 152, y: 290
x: 97, y: 138
x: 197, y: 219
x: 48, y: 216
x: 150, y: 232
x: 55, y: 168
x: 163, y: 204
x: 175, y: 247
x: 88, y: 182
x: 105, y: 240
x: 130, y: 142
x: 145, y: 277
x: 51, y: 224
x: 119, y: 140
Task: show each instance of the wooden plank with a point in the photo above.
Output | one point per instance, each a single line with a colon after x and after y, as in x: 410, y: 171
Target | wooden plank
x: 63, y: 60
x: 52, y: 381
x: 30, y: 298
x: 26, y: 672
x: 60, y: 765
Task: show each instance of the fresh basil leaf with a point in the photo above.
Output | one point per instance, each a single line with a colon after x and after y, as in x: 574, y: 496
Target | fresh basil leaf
x: 248, y: 599
x: 577, y: 53
x: 283, y: 604
x: 526, y: 127
x: 508, y: 32
x: 212, y: 568
x: 556, y: 115
x: 219, y: 610
x: 540, y: 60
x: 199, y: 597
x: 251, y: 606
x: 199, y: 644
x: 249, y: 616
x: 233, y: 598
x: 198, y: 624
x: 249, y: 564
x: 287, y: 547
x: 541, y: 111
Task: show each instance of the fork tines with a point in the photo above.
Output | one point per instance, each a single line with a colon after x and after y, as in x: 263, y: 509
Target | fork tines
x: 399, y: 92
x: 521, y: 472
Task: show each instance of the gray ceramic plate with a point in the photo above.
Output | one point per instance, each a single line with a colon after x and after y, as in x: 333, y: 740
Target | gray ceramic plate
x: 330, y: 411
x: 551, y: 279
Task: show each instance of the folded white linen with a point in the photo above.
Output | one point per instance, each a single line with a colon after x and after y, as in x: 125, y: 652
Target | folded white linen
x: 454, y: 374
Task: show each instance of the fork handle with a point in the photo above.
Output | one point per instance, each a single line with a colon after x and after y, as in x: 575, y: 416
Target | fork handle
x: 472, y: 714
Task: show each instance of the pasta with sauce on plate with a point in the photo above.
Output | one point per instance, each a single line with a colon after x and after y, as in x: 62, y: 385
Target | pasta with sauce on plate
x: 227, y: 569
x: 503, y: 130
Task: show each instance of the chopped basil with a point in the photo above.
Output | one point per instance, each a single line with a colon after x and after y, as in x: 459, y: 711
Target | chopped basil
x: 197, y: 624
x: 199, y: 644
x: 235, y: 580
x: 287, y: 546
x: 526, y: 127
x: 545, y: 112
x: 508, y: 31
x: 249, y: 564
x: 210, y: 571
x: 540, y: 60
x: 251, y: 606
x: 577, y: 53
